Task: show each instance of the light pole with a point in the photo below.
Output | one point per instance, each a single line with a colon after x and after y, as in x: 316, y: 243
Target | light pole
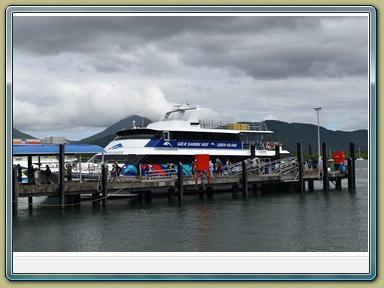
x: 318, y: 137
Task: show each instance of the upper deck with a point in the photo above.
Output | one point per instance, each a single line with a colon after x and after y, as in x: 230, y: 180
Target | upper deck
x: 186, y: 118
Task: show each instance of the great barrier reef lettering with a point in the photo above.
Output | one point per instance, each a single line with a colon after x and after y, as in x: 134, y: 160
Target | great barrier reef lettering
x: 193, y: 144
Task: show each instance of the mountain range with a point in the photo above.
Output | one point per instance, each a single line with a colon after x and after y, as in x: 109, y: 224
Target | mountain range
x: 288, y: 133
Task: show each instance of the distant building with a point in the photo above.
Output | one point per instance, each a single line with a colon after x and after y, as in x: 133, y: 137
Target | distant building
x: 55, y: 140
x: 26, y: 141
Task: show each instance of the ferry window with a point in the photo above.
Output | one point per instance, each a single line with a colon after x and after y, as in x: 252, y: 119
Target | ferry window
x: 166, y: 135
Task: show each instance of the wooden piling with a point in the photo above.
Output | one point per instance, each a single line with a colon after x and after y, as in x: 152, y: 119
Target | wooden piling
x: 254, y: 188
x: 61, y: 175
x: 180, y: 181
x: 325, y: 168
x: 338, y: 183
x: 209, y: 192
x: 352, y: 156
x: 311, y: 186
x: 235, y: 188
x: 350, y: 179
x: 29, y: 163
x: 301, y: 187
x: 147, y: 195
x: 95, y: 199
x: 77, y: 199
x: 244, y: 178
x: 104, y: 183
x: 15, y: 191
x: 171, y: 194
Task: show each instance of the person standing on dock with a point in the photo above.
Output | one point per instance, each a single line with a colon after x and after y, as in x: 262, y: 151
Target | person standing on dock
x: 309, y: 161
x: 219, y: 167
x: 19, y: 174
x: 314, y: 164
x: 31, y: 172
x: 36, y: 174
x: 228, y: 166
x: 211, y: 168
x: 118, y: 171
x: 47, y: 174
x: 69, y: 172
x: 193, y: 168
x: 148, y: 170
x: 113, y: 172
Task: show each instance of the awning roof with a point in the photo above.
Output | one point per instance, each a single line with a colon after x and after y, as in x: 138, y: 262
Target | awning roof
x: 55, y: 149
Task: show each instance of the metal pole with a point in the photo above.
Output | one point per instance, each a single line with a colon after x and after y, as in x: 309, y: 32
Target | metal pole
x: 80, y: 168
x: 325, y: 168
x: 61, y: 174
x: 318, y: 138
x: 300, y: 160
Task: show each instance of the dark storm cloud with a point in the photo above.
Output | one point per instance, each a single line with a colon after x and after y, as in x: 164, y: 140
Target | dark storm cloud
x: 262, y: 47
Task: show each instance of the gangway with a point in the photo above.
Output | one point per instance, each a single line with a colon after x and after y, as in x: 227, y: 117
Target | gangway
x: 257, y: 166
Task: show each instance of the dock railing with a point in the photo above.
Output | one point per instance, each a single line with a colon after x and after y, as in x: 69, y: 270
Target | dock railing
x: 165, y: 174
x: 257, y: 166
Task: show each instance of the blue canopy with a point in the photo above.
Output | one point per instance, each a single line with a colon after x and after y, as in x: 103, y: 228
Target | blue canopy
x: 55, y: 149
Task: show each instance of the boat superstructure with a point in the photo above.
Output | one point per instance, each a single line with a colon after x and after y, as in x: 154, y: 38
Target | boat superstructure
x: 179, y: 135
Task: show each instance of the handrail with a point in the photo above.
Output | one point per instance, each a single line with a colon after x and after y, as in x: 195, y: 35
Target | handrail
x: 259, y: 167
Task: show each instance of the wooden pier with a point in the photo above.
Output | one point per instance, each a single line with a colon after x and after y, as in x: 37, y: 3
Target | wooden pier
x: 280, y: 174
x: 171, y: 187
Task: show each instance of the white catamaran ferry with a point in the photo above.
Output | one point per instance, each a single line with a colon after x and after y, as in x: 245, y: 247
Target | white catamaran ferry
x: 179, y: 135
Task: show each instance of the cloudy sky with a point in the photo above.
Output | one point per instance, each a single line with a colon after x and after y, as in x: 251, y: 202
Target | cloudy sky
x: 74, y: 76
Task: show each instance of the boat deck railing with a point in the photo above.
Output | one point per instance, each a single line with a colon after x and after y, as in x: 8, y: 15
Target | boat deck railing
x: 250, y: 126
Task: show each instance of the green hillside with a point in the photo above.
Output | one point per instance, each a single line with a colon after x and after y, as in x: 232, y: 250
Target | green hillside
x: 16, y: 134
x: 292, y: 133
x: 103, y: 138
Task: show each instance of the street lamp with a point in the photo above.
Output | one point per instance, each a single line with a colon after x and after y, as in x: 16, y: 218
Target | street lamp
x: 318, y: 136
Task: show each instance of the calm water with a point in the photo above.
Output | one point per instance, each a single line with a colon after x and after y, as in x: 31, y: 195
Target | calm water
x: 332, y: 221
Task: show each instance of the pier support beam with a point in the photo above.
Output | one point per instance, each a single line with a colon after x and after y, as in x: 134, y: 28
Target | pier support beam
x: 140, y: 195
x: 350, y: 174
x: 171, y: 194
x: 254, y: 188
x: 147, y: 196
x: 95, y: 199
x: 30, y: 202
x: 180, y: 181
x: 29, y: 163
x: 311, y: 186
x: 301, y: 187
x: 235, y: 188
x: 338, y: 184
x: 76, y: 200
x: 325, y: 168
x: 209, y: 192
x: 244, y: 178
x: 15, y: 190
x: 352, y: 156
x: 104, y: 183
x: 61, y: 175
